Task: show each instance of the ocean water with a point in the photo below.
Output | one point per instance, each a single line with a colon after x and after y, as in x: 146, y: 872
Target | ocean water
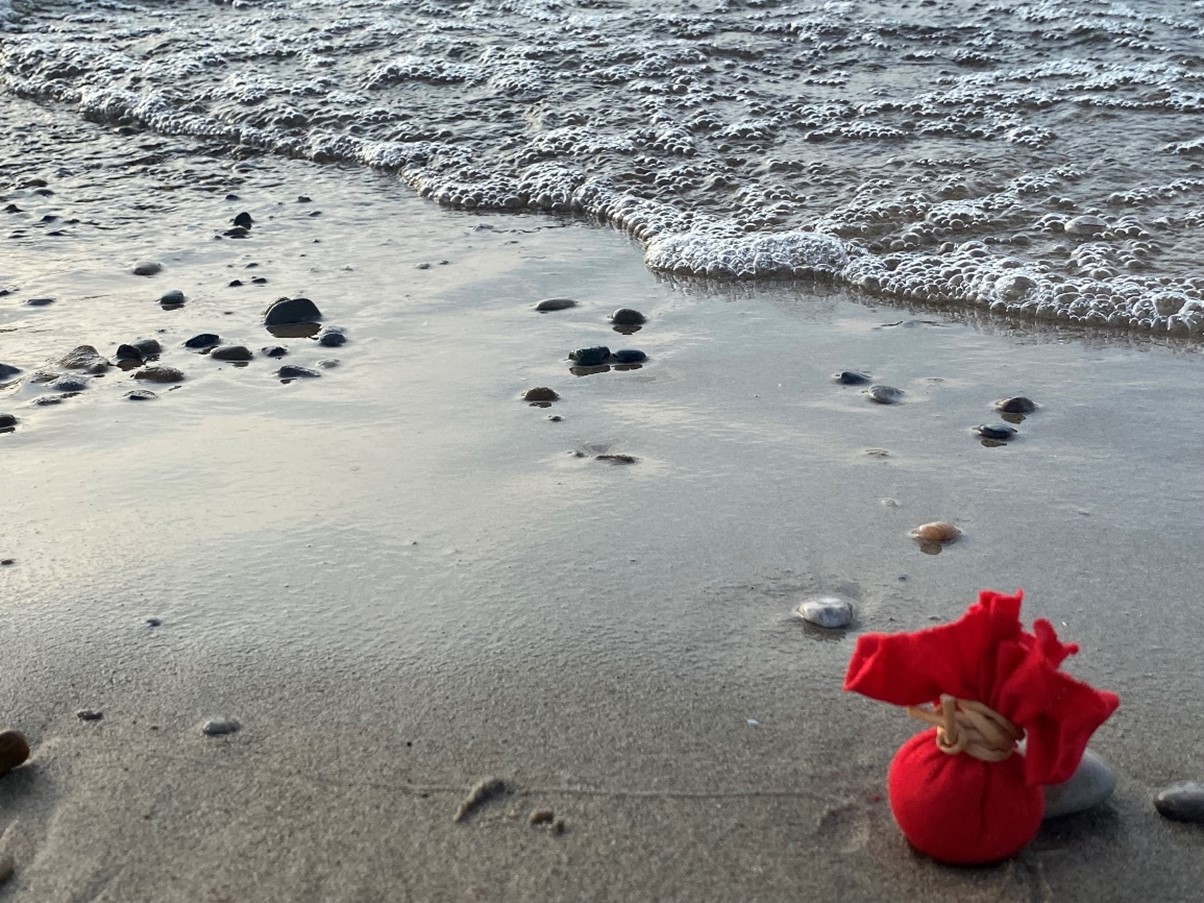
x: 1041, y: 160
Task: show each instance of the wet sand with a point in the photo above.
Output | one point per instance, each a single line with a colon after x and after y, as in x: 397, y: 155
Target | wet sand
x: 402, y: 580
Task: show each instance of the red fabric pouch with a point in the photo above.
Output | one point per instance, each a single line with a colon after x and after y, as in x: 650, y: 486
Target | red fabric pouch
x: 964, y: 793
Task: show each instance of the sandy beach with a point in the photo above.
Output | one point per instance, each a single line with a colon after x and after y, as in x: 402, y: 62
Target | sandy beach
x: 401, y: 580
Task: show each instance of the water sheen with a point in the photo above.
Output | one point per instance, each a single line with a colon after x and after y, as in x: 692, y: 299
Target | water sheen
x: 1036, y: 159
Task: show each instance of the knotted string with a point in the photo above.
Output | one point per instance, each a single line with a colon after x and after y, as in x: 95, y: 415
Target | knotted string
x: 963, y: 725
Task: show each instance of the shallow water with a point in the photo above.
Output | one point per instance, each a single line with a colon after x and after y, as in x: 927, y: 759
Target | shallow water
x: 1038, y: 159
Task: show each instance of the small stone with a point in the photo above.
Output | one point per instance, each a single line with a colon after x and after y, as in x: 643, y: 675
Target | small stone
x: 286, y: 311
x: 541, y: 817
x: 1086, y: 225
x: 153, y: 622
x: 14, y: 750
x: 625, y: 316
x: 304, y: 199
x: 89, y: 715
x: 590, y: 357
x: 175, y: 296
x: 332, y: 338
x: 616, y: 459
x: 160, y: 375
x: 329, y: 363
x: 7, y: 421
x: 7, y: 562
x: 260, y: 280
x: 39, y: 302
x: 555, y: 418
x: 217, y: 727
x: 231, y: 353
x: 851, y: 377
x: 630, y: 356
x: 243, y: 220
x: 202, y: 341
x: 141, y: 395
x: 8, y: 370
x: 1091, y: 784
x: 148, y: 268
x: 885, y: 394
x: 936, y: 531
x: 290, y: 372
x: 273, y: 351
x: 997, y: 432
x: 830, y: 612
x: 1017, y: 404
x: 550, y: 304
x: 1182, y: 801
x: 129, y: 353
x: 540, y: 394
x: 68, y: 384
x: 148, y: 347
x: 234, y: 283
x: 85, y: 357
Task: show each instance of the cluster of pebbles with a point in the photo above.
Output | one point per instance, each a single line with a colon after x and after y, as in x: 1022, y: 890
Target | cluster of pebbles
x: 590, y: 360
x: 80, y: 368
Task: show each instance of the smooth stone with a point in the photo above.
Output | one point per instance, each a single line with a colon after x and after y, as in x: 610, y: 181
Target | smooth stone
x: 148, y: 347
x: 89, y: 715
x: 40, y: 302
x: 274, y: 351
x: 287, y: 311
x: 68, y: 384
x: 7, y: 421
x: 885, y: 394
x: 1085, y: 225
x: 216, y: 727
x: 550, y: 304
x: 140, y: 395
x: 616, y: 459
x: 1091, y: 784
x: 85, y: 357
x: 590, y: 357
x: 1181, y: 801
x: 234, y: 283
x: 175, y: 296
x: 8, y: 370
x: 236, y: 232
x: 243, y: 220
x: 1017, y: 404
x: 630, y: 356
x: 291, y: 372
x: 994, y: 431
x: 328, y: 363
x: 936, y: 531
x: 830, y: 612
x: 332, y: 338
x: 625, y: 316
x: 160, y: 375
x: 14, y: 750
x: 148, y: 268
x: 129, y: 353
x: 231, y: 353
x: 851, y: 377
x: 204, y: 340
x: 540, y: 393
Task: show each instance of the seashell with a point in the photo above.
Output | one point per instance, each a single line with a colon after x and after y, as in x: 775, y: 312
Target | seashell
x: 937, y: 531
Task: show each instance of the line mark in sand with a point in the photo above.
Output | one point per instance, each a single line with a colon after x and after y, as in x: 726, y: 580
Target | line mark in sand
x: 484, y: 791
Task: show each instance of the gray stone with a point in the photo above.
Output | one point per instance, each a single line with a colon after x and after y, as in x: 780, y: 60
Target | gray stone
x: 851, y: 377
x: 1086, y: 225
x: 996, y: 431
x: 625, y: 316
x: 831, y: 612
x: 160, y: 375
x: 289, y: 372
x: 548, y: 305
x: 68, y: 384
x: 885, y: 394
x: 129, y: 353
x: 332, y: 338
x: 86, y: 358
x: 148, y: 347
x: 1182, y: 801
x: 216, y: 727
x: 175, y: 296
x: 202, y: 341
x: 231, y: 353
x: 590, y: 357
x: 287, y: 311
x: 140, y: 395
x: 148, y: 268
x: 630, y: 356
x: 1091, y: 784
x: 7, y: 371
x: 1016, y: 404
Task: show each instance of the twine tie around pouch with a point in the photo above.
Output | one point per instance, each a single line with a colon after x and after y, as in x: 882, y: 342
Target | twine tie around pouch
x: 963, y: 725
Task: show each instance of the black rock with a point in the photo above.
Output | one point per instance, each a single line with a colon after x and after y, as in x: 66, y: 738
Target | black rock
x: 590, y: 357
x: 148, y: 268
x: 129, y: 353
x: 286, y: 311
x: 997, y: 432
x: 235, y: 283
x: 236, y: 232
x: 259, y: 280
x: 231, y: 353
x: 630, y: 356
x: 303, y: 199
x: 548, y: 305
x: 202, y: 341
x: 851, y: 377
x: 160, y: 375
x: 616, y: 459
x: 885, y: 394
x: 39, y: 302
x: 625, y: 316
x: 148, y: 347
x: 332, y: 338
x: 243, y: 220
x: 219, y: 726
x: 289, y: 371
x: 1017, y: 404
x: 1182, y: 801
x: 8, y: 370
x: 72, y: 384
x: 175, y: 296
x: 89, y: 715
x: 140, y: 395
x: 7, y: 421
x: 274, y: 351
x: 85, y: 357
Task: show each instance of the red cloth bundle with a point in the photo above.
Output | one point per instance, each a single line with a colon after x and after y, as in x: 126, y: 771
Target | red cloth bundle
x: 950, y: 803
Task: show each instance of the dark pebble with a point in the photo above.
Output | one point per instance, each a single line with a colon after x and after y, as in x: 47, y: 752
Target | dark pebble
x: 304, y: 199
x: 7, y: 562
x: 625, y: 316
x: 235, y: 283
x: 590, y: 357
x: 148, y: 268
x: 243, y: 220
x: 274, y: 351
x: 616, y: 459
x: 236, y: 232
x: 7, y: 421
x: 204, y: 340
x: 148, y: 347
x: 286, y: 311
x: 550, y: 304
x: 7, y: 370
x: 129, y: 353
x: 851, y: 377
x: 175, y: 296
x: 291, y: 372
x: 140, y: 395
x: 540, y: 394
x: 39, y: 302
x: 1017, y: 404
x: 259, y: 280
x: 630, y: 356
x: 1183, y: 801
x: 329, y: 363
x: 993, y: 431
x: 14, y: 750
x: 332, y: 338
x: 153, y: 622
x: 160, y: 375
x: 555, y: 418
x: 86, y: 358
x: 231, y: 353
x: 885, y: 394
x: 89, y: 715
x: 216, y: 727
x: 68, y: 384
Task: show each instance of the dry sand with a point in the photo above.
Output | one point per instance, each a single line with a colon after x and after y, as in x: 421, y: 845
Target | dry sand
x: 401, y: 581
